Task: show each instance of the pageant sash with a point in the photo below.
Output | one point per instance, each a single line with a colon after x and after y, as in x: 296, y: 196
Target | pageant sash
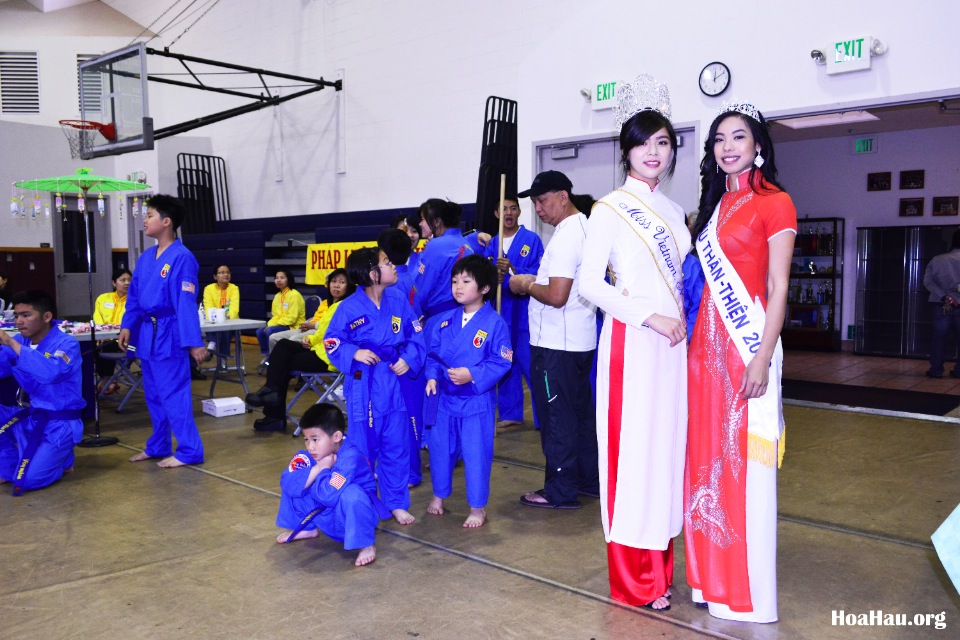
x: 657, y: 235
x: 743, y: 319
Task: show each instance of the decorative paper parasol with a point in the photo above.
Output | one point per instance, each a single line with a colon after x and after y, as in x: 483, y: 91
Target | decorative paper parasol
x: 81, y: 183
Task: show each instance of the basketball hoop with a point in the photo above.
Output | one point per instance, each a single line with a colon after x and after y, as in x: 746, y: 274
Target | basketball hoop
x: 80, y: 134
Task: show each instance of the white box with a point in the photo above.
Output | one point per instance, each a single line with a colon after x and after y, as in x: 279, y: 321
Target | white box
x: 220, y: 407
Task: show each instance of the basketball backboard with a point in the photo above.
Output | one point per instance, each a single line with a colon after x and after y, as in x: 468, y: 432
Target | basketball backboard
x: 113, y: 92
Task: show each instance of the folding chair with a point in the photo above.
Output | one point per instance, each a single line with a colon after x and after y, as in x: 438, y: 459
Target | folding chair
x: 324, y: 384
x: 123, y: 374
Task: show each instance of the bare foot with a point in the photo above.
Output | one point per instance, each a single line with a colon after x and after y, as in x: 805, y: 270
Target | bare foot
x: 668, y: 593
x: 403, y: 516
x: 504, y: 424
x: 476, y: 519
x: 68, y: 470
x: 140, y: 457
x: 366, y: 556
x: 535, y: 496
x: 170, y: 463
x: 435, y: 507
x: 659, y: 604
x: 303, y: 535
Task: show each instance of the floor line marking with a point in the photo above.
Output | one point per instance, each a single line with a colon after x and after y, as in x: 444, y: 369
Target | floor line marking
x: 868, y: 411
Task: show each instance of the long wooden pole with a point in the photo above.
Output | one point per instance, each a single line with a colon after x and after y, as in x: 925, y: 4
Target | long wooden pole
x: 503, y: 195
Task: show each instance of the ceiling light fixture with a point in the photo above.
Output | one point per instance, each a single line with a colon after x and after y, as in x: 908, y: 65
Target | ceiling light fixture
x: 827, y: 119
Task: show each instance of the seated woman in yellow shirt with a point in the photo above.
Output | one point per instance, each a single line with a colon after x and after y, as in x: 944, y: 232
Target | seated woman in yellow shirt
x: 308, y: 354
x: 338, y: 288
x: 288, y: 311
x: 108, y: 309
x: 222, y: 294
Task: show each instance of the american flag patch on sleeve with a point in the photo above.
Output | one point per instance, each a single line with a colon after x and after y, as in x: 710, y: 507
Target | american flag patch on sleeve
x: 189, y: 287
x: 337, y: 481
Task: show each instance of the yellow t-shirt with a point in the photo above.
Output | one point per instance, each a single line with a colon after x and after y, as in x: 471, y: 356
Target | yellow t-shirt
x: 109, y: 308
x: 216, y: 298
x: 316, y: 340
x: 288, y: 309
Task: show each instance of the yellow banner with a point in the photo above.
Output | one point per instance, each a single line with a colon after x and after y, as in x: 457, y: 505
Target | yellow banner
x: 324, y: 258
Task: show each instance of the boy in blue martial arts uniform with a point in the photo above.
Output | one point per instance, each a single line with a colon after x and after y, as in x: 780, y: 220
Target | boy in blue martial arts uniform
x: 375, y: 339
x: 522, y: 250
x: 440, y: 223
x: 396, y: 245
x: 469, y: 353
x: 36, y: 443
x: 162, y: 324
x: 330, y: 487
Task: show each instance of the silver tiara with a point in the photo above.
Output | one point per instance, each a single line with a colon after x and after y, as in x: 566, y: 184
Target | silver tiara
x: 745, y: 108
x: 642, y: 94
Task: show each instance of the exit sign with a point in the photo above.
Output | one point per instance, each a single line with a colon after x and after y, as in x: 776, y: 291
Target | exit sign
x: 865, y: 145
x: 849, y: 54
x: 603, y: 96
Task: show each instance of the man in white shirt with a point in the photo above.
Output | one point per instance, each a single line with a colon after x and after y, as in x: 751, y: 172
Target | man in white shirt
x: 563, y: 339
x: 942, y: 280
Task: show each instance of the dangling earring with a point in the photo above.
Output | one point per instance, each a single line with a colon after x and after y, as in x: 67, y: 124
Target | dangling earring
x: 758, y: 161
x: 718, y: 169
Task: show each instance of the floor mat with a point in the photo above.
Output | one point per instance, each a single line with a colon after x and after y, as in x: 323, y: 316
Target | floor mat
x: 932, y: 404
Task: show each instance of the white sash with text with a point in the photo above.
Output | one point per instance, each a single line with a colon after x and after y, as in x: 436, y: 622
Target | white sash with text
x: 744, y: 320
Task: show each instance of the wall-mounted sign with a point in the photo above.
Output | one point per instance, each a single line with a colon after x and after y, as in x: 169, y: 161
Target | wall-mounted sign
x: 849, y: 54
x: 604, y: 95
x: 865, y: 145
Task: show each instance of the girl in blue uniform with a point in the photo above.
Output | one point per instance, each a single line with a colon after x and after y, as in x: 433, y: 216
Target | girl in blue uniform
x: 469, y: 353
x: 440, y: 223
x: 375, y: 339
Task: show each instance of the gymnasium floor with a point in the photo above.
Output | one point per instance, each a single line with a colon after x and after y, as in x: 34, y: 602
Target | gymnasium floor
x: 133, y: 551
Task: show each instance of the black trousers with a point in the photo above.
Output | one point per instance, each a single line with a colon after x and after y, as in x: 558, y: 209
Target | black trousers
x: 568, y: 423
x: 287, y: 356
x: 105, y: 367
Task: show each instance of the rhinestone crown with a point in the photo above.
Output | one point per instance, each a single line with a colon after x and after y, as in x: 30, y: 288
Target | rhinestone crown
x: 745, y: 108
x: 642, y: 94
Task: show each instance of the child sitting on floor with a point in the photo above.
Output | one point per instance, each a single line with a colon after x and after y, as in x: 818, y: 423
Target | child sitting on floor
x: 330, y: 487
x: 469, y: 353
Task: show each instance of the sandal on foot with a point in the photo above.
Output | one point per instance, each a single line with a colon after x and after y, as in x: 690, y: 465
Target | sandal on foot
x: 524, y: 500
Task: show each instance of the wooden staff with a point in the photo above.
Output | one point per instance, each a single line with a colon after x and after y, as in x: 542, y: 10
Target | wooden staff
x: 503, y: 195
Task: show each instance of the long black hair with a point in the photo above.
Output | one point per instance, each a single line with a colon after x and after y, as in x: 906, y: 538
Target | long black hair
x: 638, y: 130
x: 713, y: 181
x: 436, y: 212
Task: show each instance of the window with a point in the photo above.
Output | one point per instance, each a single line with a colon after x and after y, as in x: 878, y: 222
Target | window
x: 88, y: 99
x: 19, y: 82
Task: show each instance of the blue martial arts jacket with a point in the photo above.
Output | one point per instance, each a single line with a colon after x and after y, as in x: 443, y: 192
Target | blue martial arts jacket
x: 483, y: 346
x: 436, y: 263
x: 692, y: 291
x: 392, y: 331
x: 524, y: 254
x: 52, y: 375
x: 162, y: 303
x: 406, y: 284
x: 351, y: 467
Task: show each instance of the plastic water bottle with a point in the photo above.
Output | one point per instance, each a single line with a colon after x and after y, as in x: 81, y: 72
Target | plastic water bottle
x: 202, y: 314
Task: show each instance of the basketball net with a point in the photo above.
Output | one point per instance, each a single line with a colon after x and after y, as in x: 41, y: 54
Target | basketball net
x: 81, y: 134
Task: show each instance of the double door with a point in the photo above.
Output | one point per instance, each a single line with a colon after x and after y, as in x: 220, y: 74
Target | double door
x: 893, y: 314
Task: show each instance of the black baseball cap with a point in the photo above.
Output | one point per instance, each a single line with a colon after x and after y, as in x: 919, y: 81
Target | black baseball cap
x: 547, y: 181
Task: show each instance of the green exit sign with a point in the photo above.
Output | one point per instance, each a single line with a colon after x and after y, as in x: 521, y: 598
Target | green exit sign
x: 865, y: 145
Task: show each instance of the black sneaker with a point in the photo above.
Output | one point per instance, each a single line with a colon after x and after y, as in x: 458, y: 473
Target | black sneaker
x: 196, y: 374
x: 932, y: 374
x: 270, y: 424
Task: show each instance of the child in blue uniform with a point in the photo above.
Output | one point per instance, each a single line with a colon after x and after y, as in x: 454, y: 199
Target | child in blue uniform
x: 440, y: 222
x: 469, y: 353
x: 330, y: 487
x: 522, y: 250
x: 162, y: 324
x: 396, y: 245
x: 36, y: 444
x: 375, y: 339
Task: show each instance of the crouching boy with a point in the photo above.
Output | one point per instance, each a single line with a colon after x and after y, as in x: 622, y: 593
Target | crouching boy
x: 36, y: 443
x: 330, y: 487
